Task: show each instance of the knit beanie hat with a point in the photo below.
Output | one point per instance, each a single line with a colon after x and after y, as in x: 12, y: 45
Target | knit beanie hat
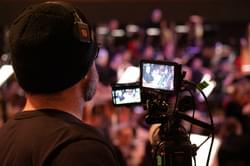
x: 52, y: 47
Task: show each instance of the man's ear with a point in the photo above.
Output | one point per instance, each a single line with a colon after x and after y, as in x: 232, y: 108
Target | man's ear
x: 89, y: 83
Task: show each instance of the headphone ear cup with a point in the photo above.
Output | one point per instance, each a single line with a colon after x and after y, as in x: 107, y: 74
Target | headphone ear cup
x: 82, y: 32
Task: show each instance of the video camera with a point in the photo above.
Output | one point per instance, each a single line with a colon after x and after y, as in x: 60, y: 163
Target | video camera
x: 158, y: 92
x: 160, y: 81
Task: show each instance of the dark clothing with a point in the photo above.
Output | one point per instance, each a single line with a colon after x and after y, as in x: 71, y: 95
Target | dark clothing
x: 234, y: 109
x: 234, y: 151
x: 50, y: 137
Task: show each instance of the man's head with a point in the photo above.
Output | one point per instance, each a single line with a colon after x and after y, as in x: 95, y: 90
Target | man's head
x: 52, y: 47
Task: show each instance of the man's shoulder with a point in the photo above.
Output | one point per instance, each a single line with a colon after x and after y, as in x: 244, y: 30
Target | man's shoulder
x: 79, y: 142
x: 55, y: 123
x: 55, y: 133
x: 70, y: 125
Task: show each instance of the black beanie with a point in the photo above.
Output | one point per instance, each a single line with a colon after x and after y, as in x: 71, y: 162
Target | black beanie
x: 47, y: 54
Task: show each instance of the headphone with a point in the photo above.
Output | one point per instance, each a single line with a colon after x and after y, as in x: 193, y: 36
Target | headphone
x: 82, y: 31
x: 63, y: 34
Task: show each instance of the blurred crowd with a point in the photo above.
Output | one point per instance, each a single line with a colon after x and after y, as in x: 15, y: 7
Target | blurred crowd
x: 193, y: 45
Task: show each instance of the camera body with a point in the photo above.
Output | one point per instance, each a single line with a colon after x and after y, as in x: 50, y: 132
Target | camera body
x: 159, y: 91
x: 159, y: 84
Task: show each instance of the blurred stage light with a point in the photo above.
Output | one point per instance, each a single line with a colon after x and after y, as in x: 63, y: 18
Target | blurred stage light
x: 5, y: 72
x: 181, y: 29
x: 130, y: 75
x: 131, y: 28
x: 102, y: 30
x: 153, y: 31
x: 118, y: 33
x: 245, y: 68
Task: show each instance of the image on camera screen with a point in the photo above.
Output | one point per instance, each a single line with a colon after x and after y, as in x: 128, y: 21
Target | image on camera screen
x: 126, y: 96
x: 158, y: 76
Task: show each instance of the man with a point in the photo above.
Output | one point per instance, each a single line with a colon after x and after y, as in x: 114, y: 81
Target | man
x: 53, y: 52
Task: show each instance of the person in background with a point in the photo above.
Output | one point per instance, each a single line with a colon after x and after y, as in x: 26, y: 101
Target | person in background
x: 234, y: 149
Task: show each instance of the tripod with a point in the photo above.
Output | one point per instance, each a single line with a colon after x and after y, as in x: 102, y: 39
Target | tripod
x: 173, y: 147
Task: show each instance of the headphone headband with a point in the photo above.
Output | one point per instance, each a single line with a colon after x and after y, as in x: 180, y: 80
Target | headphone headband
x: 82, y: 30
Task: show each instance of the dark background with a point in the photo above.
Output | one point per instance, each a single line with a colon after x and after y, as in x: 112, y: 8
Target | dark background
x: 127, y: 11
x: 230, y: 17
